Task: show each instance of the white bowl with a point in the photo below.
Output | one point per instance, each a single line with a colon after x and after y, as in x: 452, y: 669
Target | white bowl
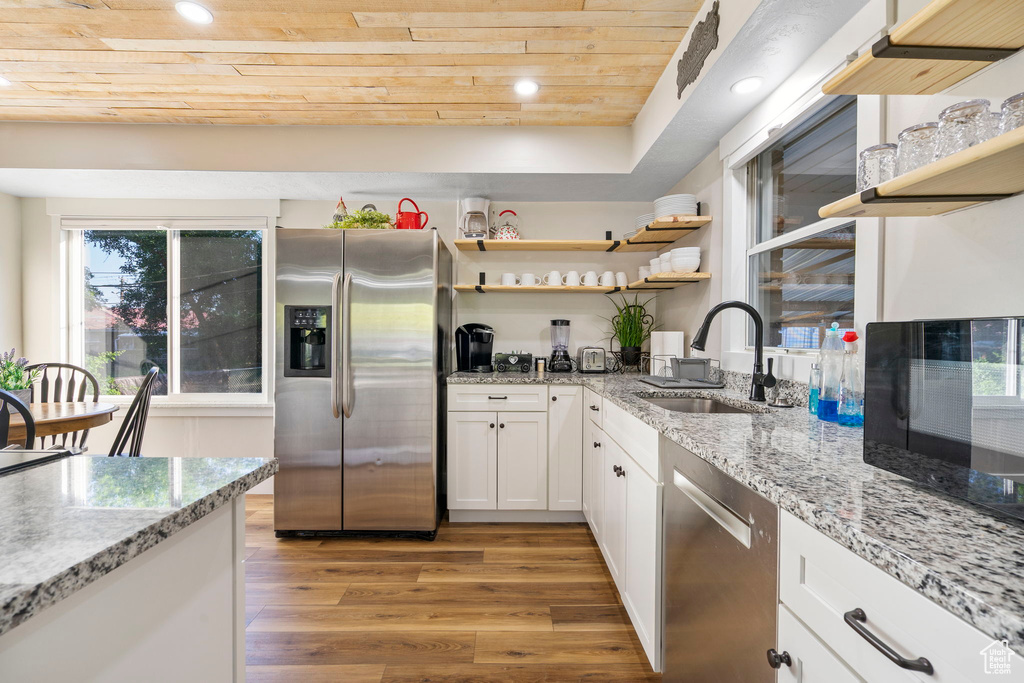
x: 685, y: 269
x: 685, y: 251
x: 684, y: 261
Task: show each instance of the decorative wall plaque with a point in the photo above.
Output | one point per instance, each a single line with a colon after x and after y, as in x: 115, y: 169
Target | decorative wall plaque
x: 702, y: 42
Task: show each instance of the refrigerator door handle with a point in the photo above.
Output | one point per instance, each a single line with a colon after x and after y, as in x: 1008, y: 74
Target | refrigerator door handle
x: 347, y: 388
x: 335, y: 286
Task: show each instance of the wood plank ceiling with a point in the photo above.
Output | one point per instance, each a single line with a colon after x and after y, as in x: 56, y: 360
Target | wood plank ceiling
x: 336, y: 62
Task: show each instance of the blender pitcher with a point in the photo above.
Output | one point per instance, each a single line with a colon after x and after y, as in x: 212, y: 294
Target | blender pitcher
x: 560, y: 361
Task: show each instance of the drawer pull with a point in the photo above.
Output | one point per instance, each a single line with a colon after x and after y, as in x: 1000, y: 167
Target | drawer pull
x: 776, y: 659
x: 497, y: 398
x: 492, y: 425
x: 856, y: 619
x: 594, y: 408
x: 619, y: 472
x: 597, y: 444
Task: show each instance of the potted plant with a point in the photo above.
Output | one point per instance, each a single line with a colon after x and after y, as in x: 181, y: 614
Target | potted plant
x: 14, y: 378
x: 363, y: 219
x: 631, y: 326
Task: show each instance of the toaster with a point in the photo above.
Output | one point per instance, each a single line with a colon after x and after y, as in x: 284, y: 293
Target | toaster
x: 591, y: 359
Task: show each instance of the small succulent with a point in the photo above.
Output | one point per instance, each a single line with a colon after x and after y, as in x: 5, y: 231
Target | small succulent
x: 13, y: 376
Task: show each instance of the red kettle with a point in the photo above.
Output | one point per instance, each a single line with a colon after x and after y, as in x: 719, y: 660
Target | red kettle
x: 409, y: 220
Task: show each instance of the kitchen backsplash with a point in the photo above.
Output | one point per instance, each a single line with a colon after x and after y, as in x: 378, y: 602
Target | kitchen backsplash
x: 789, y: 390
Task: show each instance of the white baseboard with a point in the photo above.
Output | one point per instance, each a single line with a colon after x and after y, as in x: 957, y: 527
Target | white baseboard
x: 549, y: 516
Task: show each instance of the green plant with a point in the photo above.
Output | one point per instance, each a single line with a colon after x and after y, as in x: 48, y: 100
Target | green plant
x: 99, y: 365
x: 363, y: 219
x: 632, y: 325
x: 13, y: 375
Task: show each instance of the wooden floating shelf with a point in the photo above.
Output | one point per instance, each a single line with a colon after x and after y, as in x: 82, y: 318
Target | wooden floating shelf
x: 986, y: 172
x: 659, y: 233
x: 654, y: 282
x: 940, y: 45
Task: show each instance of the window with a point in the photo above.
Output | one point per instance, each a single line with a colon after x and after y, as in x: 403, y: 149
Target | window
x: 800, y: 267
x: 188, y: 302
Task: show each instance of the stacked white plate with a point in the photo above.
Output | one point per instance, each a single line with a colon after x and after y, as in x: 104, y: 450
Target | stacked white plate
x: 629, y: 233
x: 675, y: 205
x: 643, y: 221
x: 684, y: 259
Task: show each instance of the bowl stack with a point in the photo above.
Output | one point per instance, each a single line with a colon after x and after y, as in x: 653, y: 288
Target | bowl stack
x: 675, y: 205
x: 684, y: 259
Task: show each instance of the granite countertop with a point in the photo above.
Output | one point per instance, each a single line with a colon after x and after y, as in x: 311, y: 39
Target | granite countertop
x: 962, y: 557
x: 69, y: 522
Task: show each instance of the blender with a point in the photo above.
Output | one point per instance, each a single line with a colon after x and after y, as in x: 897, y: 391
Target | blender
x: 560, y: 361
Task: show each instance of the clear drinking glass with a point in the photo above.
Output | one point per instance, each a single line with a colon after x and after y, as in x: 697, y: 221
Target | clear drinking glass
x: 877, y: 164
x: 963, y: 125
x: 916, y: 146
x: 1012, y: 113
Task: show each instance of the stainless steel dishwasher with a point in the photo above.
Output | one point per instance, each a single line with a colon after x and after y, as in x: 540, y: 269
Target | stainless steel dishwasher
x: 720, y: 574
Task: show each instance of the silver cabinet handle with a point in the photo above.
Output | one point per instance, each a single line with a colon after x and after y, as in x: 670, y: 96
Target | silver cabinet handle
x: 335, y: 353
x: 348, y: 398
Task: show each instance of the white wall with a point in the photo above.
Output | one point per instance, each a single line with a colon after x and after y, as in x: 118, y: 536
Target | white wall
x: 10, y: 273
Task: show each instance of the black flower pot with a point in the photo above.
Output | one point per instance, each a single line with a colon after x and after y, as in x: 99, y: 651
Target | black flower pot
x: 631, y: 355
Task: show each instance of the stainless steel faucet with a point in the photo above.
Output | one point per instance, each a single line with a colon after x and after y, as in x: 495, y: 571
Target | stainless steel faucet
x: 758, y: 383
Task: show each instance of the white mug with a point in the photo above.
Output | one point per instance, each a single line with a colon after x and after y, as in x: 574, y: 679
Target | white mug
x: 645, y: 272
x: 656, y: 265
x: 590, y: 279
x: 529, y: 280
x: 621, y: 280
x: 553, y: 279
x: 572, y: 278
x: 510, y: 280
x: 607, y: 279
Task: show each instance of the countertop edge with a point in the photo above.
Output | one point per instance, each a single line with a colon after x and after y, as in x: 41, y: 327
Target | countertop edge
x: 33, y: 599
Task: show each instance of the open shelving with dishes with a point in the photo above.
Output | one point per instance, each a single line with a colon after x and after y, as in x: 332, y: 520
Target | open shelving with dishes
x: 989, y: 171
x: 657, y: 234
x: 654, y: 282
x: 937, y: 47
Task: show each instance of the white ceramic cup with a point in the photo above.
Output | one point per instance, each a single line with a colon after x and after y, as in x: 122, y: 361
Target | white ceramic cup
x: 666, y: 263
x: 590, y: 279
x: 621, y: 280
x: 572, y: 279
x: 510, y: 280
x: 655, y: 265
x: 645, y: 271
x: 530, y: 280
x: 607, y: 279
x: 553, y: 279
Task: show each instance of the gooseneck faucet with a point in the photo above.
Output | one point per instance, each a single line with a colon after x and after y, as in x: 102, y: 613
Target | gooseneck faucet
x: 757, y: 384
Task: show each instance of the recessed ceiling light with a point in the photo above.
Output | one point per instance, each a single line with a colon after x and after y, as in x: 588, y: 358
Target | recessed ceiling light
x: 747, y: 85
x: 525, y: 87
x: 4, y: 82
x: 195, y: 13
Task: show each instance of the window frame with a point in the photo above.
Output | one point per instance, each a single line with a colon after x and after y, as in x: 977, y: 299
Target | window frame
x: 73, y: 229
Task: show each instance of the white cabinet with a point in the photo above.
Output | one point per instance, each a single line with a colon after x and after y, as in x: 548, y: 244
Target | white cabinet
x: 593, y: 406
x: 613, y: 535
x: 472, y: 461
x: 565, y: 447
x: 522, y: 461
x: 810, y: 660
x: 640, y: 593
x: 593, y: 484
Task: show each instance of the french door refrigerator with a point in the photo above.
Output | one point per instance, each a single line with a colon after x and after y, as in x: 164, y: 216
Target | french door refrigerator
x: 363, y: 321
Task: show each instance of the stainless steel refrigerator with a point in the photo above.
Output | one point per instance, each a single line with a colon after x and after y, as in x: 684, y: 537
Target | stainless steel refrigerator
x: 363, y: 345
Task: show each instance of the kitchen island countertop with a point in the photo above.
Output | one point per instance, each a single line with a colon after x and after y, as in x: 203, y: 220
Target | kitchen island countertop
x: 960, y: 556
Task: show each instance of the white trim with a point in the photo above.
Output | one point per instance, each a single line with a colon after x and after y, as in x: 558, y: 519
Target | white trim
x: 173, y: 314
x: 798, y: 235
x: 150, y: 223
x: 544, y: 516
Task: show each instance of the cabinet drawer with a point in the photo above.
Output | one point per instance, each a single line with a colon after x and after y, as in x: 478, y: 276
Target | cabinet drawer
x: 637, y: 438
x: 506, y: 397
x: 820, y: 581
x: 592, y: 407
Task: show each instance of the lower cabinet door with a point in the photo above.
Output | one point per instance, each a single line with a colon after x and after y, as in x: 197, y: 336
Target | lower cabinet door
x: 472, y: 460
x: 641, y: 594
x: 593, y: 484
x: 522, y: 461
x: 565, y: 447
x: 810, y: 660
x: 613, y: 519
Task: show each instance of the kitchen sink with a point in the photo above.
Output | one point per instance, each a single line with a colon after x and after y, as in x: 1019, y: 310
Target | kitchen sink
x: 683, y: 404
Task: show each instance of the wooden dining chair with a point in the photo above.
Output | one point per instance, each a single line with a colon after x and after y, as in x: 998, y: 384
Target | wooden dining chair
x: 65, y: 382
x: 134, y: 426
x: 9, y: 404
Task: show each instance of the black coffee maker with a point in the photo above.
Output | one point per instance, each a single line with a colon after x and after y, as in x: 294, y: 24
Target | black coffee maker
x: 473, y: 344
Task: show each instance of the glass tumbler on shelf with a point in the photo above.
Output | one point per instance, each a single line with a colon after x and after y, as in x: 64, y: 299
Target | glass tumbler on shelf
x: 1012, y: 115
x: 963, y: 125
x: 916, y: 146
x: 877, y: 165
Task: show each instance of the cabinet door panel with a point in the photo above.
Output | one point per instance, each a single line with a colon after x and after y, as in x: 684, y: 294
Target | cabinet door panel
x: 593, y: 482
x: 642, y: 559
x: 522, y: 461
x: 812, y: 662
x: 613, y: 533
x: 472, y: 461
x: 565, y: 448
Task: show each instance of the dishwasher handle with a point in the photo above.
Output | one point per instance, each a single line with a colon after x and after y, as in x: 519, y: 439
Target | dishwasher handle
x: 738, y: 527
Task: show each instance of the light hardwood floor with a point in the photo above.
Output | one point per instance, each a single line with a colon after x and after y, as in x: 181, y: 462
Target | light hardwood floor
x: 523, y: 603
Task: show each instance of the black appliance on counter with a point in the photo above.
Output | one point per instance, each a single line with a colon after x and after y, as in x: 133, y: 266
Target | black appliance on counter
x: 560, y: 360
x: 473, y: 345
x: 944, y: 406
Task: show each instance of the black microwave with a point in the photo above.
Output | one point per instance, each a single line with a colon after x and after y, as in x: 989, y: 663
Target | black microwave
x: 944, y: 406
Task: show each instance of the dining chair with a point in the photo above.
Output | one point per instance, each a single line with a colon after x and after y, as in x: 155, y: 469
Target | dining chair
x: 9, y: 403
x: 58, y: 382
x: 134, y: 426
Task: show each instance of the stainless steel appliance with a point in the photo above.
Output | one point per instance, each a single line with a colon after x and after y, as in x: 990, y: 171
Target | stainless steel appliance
x: 560, y: 360
x: 363, y: 342
x: 944, y: 406
x: 473, y: 345
x: 591, y: 359
x: 720, y: 574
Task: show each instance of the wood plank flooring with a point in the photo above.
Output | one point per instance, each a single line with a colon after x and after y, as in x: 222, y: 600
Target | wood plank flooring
x: 483, y: 603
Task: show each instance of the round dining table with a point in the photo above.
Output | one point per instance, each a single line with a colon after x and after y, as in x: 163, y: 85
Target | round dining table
x: 61, y: 418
